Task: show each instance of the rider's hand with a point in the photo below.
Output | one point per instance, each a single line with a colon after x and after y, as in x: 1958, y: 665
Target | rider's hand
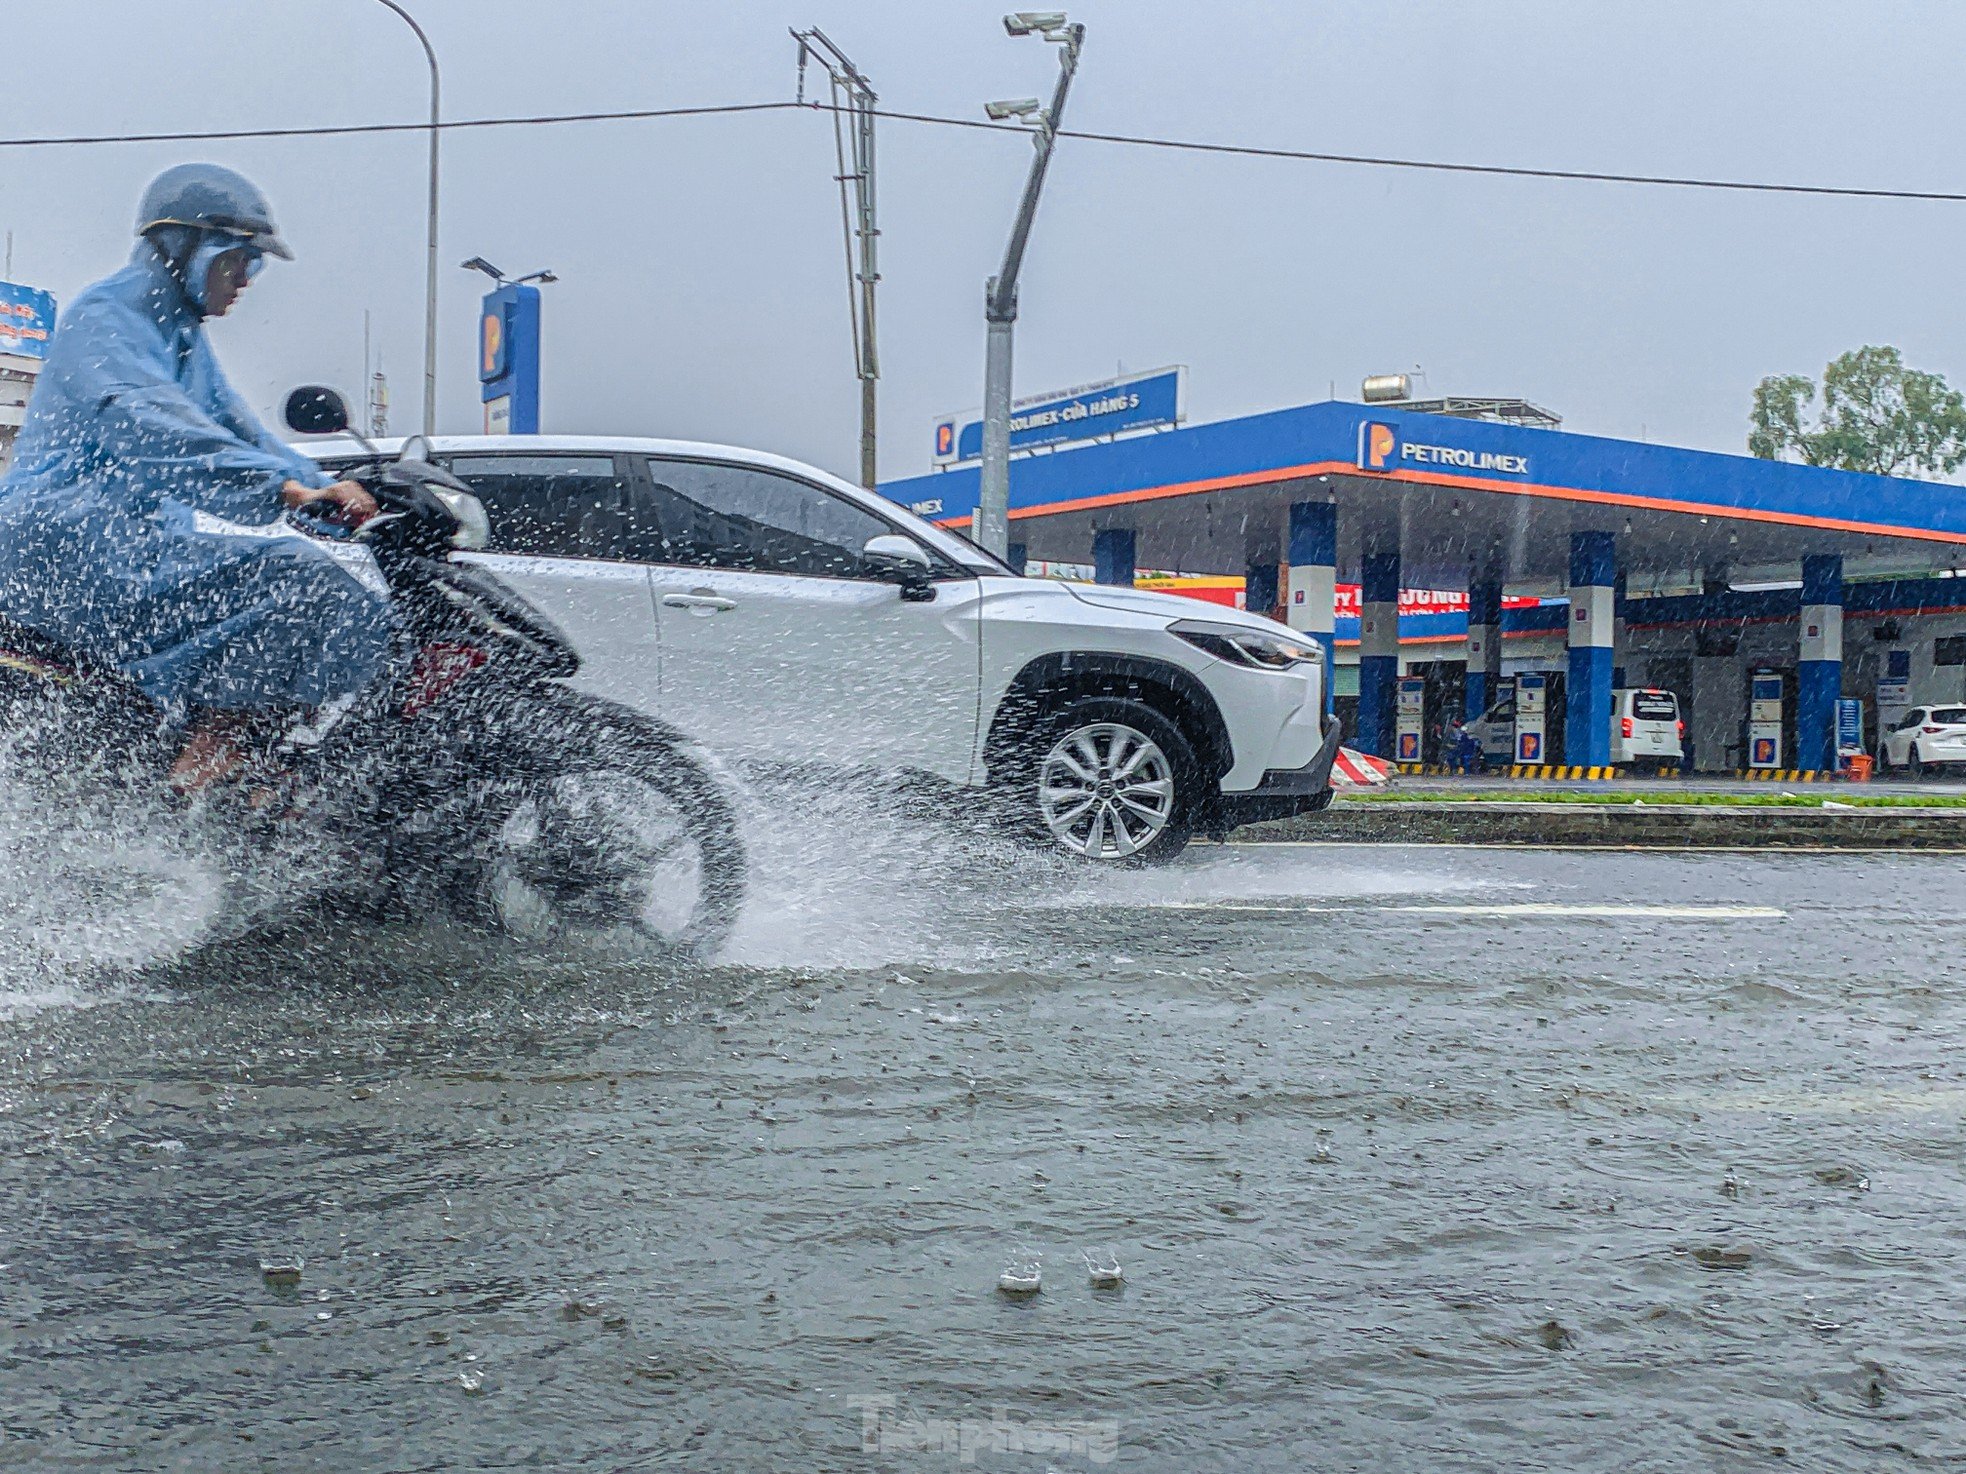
x: 350, y: 499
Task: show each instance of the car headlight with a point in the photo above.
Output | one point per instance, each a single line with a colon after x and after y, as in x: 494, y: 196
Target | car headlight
x: 473, y: 526
x: 1240, y: 646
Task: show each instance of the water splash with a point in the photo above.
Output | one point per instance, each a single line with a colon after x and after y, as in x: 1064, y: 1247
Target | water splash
x: 90, y: 888
x: 865, y: 875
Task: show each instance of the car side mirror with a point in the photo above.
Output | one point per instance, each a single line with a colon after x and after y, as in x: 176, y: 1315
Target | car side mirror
x: 901, y: 560
x: 315, y: 409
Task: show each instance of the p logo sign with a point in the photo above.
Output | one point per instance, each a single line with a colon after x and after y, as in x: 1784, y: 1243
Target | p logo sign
x: 1376, y: 446
x: 491, y: 345
x: 945, y: 438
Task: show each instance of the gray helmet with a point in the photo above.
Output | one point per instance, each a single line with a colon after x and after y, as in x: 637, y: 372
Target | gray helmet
x: 211, y: 197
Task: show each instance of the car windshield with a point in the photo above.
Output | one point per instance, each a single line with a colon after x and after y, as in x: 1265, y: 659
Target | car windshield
x: 982, y: 559
x: 1949, y: 716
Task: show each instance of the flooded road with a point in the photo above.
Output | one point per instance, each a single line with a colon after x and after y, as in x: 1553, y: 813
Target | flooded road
x: 1410, y: 1159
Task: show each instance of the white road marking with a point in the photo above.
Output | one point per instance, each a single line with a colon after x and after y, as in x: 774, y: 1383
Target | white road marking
x: 1675, y: 913
x: 1504, y: 910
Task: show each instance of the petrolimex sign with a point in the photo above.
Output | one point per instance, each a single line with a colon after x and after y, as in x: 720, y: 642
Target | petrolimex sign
x: 1141, y: 401
x: 1384, y: 447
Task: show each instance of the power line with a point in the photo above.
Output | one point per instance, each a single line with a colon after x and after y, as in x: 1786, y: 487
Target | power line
x: 1515, y: 171
x: 340, y: 130
x: 1131, y: 140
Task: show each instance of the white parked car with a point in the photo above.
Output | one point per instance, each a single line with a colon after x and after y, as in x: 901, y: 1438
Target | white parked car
x: 1926, y: 737
x: 781, y: 615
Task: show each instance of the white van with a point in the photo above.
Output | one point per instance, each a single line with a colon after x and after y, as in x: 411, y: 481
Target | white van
x: 1494, y: 729
x: 1646, y: 728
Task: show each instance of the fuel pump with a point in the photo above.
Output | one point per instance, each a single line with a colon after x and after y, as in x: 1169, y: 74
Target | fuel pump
x: 1765, y: 720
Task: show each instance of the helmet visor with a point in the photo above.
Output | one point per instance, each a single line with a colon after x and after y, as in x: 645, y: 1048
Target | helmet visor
x: 265, y: 241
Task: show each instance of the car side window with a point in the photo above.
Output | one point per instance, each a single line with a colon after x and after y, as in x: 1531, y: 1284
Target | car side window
x: 711, y: 514
x: 553, y: 506
x: 1912, y: 718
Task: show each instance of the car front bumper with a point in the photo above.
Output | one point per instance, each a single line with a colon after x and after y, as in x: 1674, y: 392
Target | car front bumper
x: 1285, y: 791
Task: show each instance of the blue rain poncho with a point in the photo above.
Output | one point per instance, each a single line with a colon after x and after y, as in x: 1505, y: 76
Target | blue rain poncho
x: 137, y: 519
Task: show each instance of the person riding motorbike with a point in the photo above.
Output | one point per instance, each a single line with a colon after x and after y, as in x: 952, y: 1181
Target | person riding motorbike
x: 140, y: 520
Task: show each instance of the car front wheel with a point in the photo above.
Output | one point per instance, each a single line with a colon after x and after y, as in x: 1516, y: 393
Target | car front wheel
x: 1109, y: 779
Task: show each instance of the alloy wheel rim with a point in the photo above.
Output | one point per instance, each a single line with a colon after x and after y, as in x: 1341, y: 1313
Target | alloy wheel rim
x: 1106, y: 790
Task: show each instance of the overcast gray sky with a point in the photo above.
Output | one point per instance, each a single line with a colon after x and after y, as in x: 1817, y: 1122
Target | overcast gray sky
x: 703, y: 291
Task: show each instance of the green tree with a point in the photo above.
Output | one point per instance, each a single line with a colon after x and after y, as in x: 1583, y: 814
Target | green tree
x: 1877, y: 415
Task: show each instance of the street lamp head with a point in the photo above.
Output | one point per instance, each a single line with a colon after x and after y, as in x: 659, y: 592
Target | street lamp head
x: 1047, y: 22
x: 1020, y: 107
x: 479, y: 263
x: 542, y: 277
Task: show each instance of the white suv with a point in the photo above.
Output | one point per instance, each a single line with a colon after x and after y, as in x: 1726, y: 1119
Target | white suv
x: 778, y: 614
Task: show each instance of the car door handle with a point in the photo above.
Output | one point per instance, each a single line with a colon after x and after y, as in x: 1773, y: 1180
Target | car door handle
x: 702, y: 602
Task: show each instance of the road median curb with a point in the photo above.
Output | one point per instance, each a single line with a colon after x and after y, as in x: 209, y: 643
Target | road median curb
x: 1634, y: 825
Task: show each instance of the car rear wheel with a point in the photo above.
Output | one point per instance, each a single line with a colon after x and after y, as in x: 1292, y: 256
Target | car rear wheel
x: 1107, y: 779
x: 1917, y: 765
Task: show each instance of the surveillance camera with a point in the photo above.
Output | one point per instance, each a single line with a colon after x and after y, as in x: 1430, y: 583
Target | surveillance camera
x: 1021, y: 107
x: 1023, y: 22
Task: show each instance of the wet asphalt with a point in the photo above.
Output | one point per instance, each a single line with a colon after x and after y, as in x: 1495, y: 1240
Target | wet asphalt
x: 1410, y: 1158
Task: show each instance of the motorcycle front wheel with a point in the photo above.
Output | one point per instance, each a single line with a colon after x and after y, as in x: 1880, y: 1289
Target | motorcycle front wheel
x: 611, y: 824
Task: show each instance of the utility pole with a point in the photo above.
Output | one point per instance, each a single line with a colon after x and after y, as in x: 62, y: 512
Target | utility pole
x: 430, y: 231
x: 853, y: 133
x: 1000, y: 294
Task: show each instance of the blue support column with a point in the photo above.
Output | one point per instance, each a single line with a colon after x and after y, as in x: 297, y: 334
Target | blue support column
x: 1378, y: 659
x: 1312, y: 598
x: 1819, y: 671
x: 1484, y: 644
x: 1112, y: 556
x: 1259, y: 587
x: 1593, y: 633
x: 1016, y: 556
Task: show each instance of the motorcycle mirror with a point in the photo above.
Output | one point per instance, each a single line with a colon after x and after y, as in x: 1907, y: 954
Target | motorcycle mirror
x: 315, y: 409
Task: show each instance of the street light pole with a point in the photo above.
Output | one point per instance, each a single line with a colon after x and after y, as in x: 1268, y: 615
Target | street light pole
x: 430, y: 269
x: 853, y: 96
x: 1000, y: 294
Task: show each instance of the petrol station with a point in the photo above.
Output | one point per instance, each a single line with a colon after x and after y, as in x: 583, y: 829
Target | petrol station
x: 1501, y: 562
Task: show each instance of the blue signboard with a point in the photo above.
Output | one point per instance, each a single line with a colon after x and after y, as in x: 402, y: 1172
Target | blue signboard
x: 27, y: 320
x: 1849, y: 724
x: 1135, y: 402
x: 508, y: 360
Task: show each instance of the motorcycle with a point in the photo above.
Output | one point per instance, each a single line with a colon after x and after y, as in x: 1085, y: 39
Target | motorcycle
x: 467, y: 777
